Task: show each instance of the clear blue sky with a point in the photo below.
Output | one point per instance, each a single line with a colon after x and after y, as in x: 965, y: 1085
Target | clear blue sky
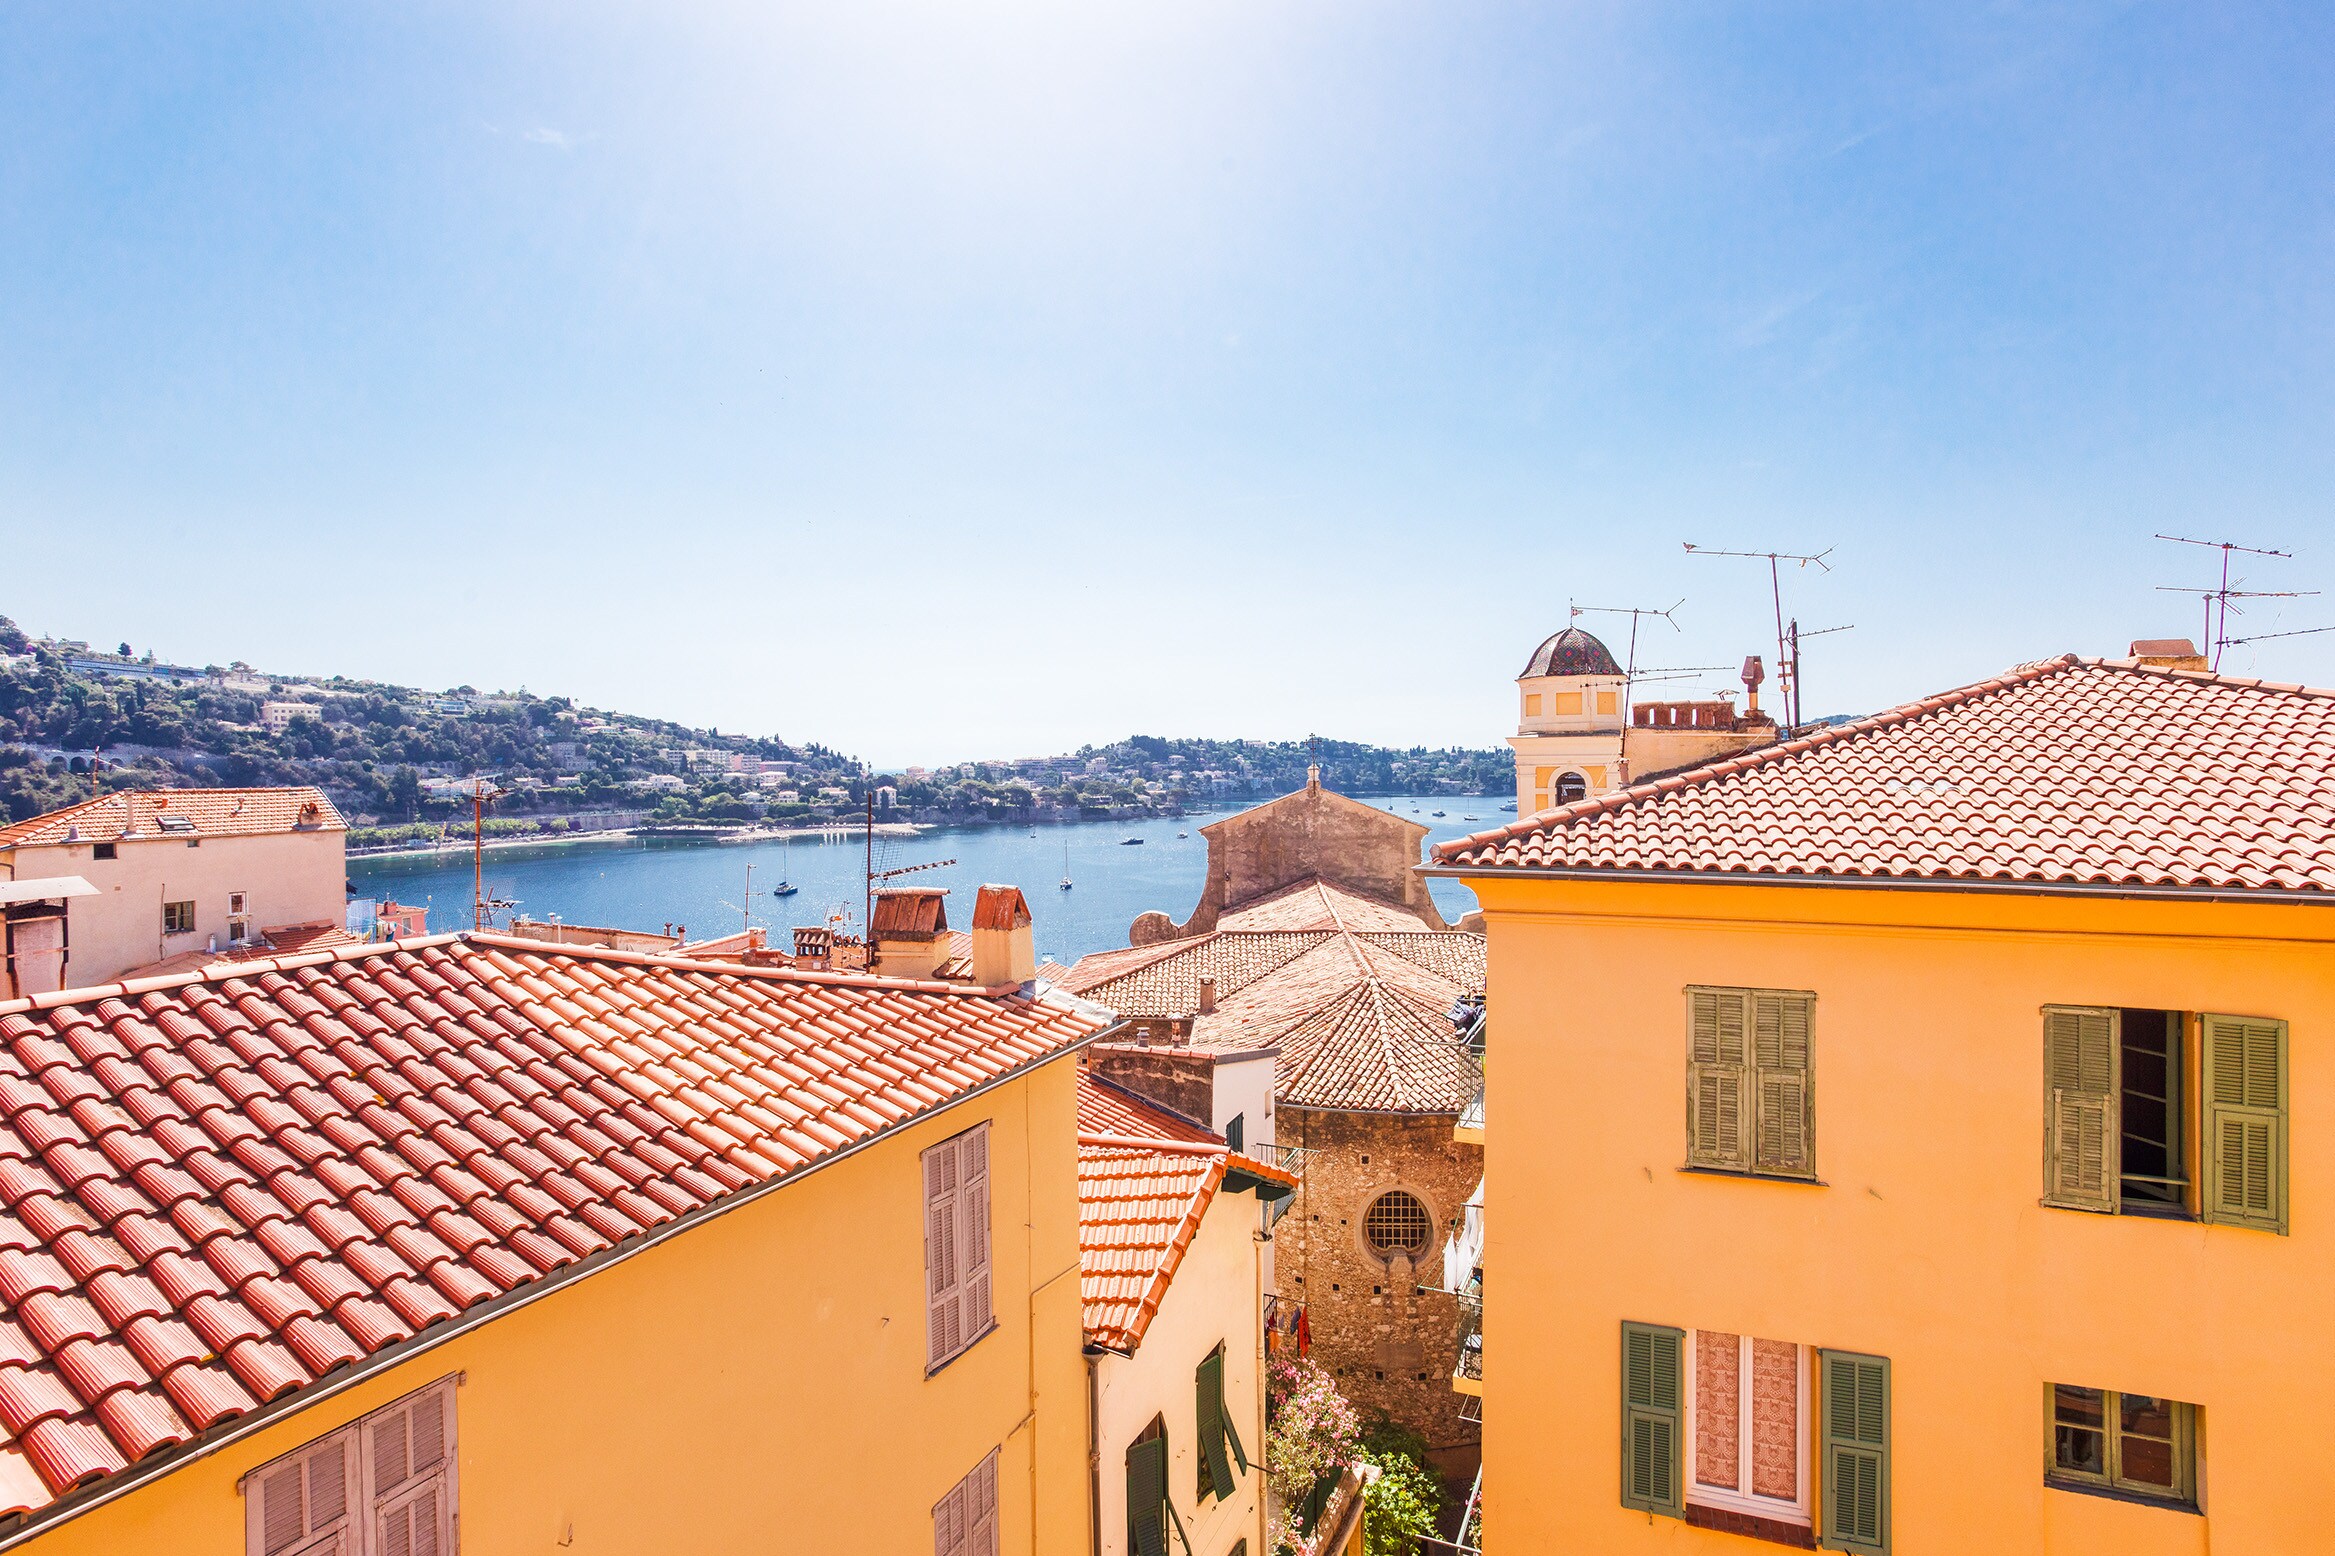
x: 943, y: 380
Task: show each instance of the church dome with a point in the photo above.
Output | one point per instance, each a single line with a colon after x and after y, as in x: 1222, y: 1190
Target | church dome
x: 1571, y: 652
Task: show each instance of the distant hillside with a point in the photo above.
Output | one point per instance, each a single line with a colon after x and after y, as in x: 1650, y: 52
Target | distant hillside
x: 76, y: 721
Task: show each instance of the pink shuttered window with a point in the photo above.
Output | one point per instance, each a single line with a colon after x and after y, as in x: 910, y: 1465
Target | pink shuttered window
x: 964, y: 1523
x: 1750, y: 1425
x: 382, y: 1486
x: 958, y: 1308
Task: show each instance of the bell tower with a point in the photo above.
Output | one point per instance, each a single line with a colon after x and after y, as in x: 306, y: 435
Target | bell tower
x: 1568, y: 739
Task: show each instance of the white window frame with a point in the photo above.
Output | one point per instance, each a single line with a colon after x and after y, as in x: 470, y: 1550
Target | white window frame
x: 1740, y: 1498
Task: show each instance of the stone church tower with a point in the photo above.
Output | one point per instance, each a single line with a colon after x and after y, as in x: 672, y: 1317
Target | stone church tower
x: 1568, y: 742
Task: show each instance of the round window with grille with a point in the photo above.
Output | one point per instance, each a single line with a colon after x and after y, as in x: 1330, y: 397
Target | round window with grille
x: 1398, y: 1223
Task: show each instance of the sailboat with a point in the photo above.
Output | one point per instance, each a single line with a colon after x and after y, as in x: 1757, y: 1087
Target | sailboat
x: 1065, y: 867
x: 785, y: 887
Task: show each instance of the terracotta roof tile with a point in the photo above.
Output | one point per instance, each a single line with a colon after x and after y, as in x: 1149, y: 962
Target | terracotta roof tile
x: 2066, y: 773
x: 136, y: 813
x: 1144, y: 1185
x: 223, y: 1186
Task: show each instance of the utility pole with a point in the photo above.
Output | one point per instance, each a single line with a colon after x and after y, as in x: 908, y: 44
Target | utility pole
x: 481, y: 910
x: 1786, y: 656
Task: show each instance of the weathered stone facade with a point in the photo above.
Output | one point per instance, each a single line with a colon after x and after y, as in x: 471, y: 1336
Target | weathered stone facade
x: 1381, y: 1325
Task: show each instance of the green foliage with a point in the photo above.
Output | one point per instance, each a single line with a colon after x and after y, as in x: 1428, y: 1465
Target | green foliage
x: 1401, y: 1505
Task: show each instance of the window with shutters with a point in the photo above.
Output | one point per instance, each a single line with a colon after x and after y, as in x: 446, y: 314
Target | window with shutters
x: 2161, y: 1112
x: 1652, y: 1418
x: 1747, y: 1425
x: 964, y: 1523
x: 383, y: 1486
x: 1854, y: 1464
x: 1152, y: 1523
x: 1223, y: 1457
x: 2138, y: 1444
x: 1751, y: 1082
x: 958, y: 1310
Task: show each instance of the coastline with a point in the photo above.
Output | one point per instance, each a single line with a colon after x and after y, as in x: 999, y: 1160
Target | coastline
x: 455, y: 848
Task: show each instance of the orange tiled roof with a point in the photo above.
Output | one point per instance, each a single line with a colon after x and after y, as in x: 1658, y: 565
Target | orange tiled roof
x: 215, y: 1190
x: 2069, y: 773
x: 283, y: 940
x: 1357, y: 1010
x: 211, y: 813
x: 1143, y: 1188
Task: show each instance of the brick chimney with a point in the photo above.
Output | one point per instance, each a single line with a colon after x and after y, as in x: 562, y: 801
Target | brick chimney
x: 910, y: 932
x: 1207, y: 994
x: 1002, y: 947
x: 2168, y: 653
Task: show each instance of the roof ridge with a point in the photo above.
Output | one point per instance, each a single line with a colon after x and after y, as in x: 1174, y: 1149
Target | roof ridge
x: 828, y: 978
x: 2214, y: 678
x: 1746, y: 761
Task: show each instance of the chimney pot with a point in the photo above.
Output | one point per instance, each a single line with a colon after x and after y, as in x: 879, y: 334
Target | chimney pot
x: 1207, y: 994
x: 1003, y: 949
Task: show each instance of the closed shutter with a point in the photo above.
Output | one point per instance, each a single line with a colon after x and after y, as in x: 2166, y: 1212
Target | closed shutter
x: 949, y: 1522
x: 1856, y: 1452
x: 1147, y: 1500
x: 1208, y: 1416
x: 1783, y: 1083
x: 300, y: 1506
x: 944, y: 1303
x: 2245, y: 1121
x: 973, y: 1286
x: 1651, y: 1418
x: 1717, y: 1075
x: 2080, y: 1122
x: 964, y: 1523
x: 409, y: 1452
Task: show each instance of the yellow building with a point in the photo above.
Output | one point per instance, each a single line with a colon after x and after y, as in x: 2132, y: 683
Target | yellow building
x: 1171, y: 1246
x: 478, y: 1244
x: 1912, y: 1138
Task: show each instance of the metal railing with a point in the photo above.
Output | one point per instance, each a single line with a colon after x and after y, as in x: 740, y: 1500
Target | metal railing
x: 1471, y: 1336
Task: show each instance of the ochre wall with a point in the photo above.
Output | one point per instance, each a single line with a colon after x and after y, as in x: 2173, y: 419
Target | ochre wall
x: 1214, y: 1300
x: 288, y: 878
x: 755, y: 1385
x: 1925, y: 1241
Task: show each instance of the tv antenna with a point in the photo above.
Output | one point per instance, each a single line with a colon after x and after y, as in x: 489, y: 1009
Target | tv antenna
x: 876, y: 878
x: 1634, y: 612
x: 2217, y: 601
x: 1775, y: 583
x: 1793, y: 635
x: 484, y: 791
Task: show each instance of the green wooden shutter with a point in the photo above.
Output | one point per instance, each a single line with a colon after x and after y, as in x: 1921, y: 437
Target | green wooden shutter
x: 1651, y: 1419
x: 2080, y: 1122
x: 1224, y: 1419
x: 2245, y: 1121
x: 1215, y: 1464
x: 1717, y: 1078
x: 1784, y: 1083
x: 1855, y: 1467
x: 1147, y: 1497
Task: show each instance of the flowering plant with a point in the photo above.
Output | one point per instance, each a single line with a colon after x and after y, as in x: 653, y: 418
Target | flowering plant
x: 1312, y: 1432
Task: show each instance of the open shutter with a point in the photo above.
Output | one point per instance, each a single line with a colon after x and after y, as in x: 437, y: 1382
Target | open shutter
x: 301, y: 1505
x: 1784, y: 1083
x: 1856, y: 1452
x: 973, y: 1283
x: 1651, y: 1418
x: 1208, y: 1415
x: 944, y: 1314
x: 409, y: 1454
x: 2080, y: 1122
x: 1240, y: 1455
x: 1717, y: 1077
x: 2245, y: 1121
x: 1147, y: 1497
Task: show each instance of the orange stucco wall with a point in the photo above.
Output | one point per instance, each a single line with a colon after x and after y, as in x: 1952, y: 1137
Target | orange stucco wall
x: 1925, y: 1241
x: 755, y: 1385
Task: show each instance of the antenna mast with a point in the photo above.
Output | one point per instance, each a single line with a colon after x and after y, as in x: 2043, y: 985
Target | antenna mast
x: 2217, y: 601
x: 481, y: 909
x: 1785, y: 652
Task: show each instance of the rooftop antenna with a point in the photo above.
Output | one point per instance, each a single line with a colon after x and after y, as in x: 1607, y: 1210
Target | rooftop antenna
x: 1794, y: 634
x: 1634, y: 612
x: 876, y: 877
x: 2264, y: 637
x: 483, y: 792
x: 1775, y: 583
x: 2217, y: 601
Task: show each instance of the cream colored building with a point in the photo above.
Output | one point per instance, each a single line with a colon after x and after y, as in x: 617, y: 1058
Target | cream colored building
x: 178, y: 871
x: 1172, y: 1282
x: 1578, y: 736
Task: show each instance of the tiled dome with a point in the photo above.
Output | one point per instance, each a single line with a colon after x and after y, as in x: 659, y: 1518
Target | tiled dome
x: 1571, y: 652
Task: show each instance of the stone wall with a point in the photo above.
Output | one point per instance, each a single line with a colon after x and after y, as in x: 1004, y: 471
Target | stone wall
x: 1390, y: 1344
x: 1181, y: 1080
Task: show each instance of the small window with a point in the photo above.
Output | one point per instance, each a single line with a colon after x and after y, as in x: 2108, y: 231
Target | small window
x: 1750, y: 1081
x: 235, y: 904
x: 1571, y: 787
x: 1236, y: 1131
x: 1564, y: 703
x: 2140, y: 1444
x: 1609, y: 702
x: 1397, y: 1223
x: 958, y: 1310
x: 178, y: 918
x: 1747, y: 1404
x: 103, y: 850
x: 1151, y: 1512
x: 381, y: 1486
x: 1532, y: 705
x: 964, y: 1523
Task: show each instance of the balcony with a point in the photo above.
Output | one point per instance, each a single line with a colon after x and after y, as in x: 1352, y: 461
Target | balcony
x: 1467, y: 1376
x: 1469, y: 1130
